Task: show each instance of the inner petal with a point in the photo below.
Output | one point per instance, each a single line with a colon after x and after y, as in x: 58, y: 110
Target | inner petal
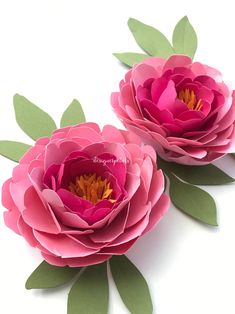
x: 92, y: 188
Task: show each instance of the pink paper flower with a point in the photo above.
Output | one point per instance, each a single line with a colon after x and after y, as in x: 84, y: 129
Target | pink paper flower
x: 84, y: 194
x: 183, y: 109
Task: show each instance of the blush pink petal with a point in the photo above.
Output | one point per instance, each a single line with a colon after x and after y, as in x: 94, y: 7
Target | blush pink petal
x: 137, y: 211
x: 85, y: 132
x: 55, y: 154
x: 62, y: 245
x: 157, y: 187
x: 110, y: 133
x: 37, y: 215
x: 112, y: 231
x: 26, y: 232
x: 35, y: 151
x: 134, y: 231
x: 155, y: 62
x: 77, y: 262
x: 141, y: 73
x: 176, y: 61
x: 11, y: 216
x: 157, y: 212
x: 118, y: 249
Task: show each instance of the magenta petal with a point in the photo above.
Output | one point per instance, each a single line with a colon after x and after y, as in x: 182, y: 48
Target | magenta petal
x: 75, y: 203
x: 51, y: 171
x: 168, y: 97
x: 158, y: 87
x: 96, y: 214
x: 117, y: 167
x: 207, y: 81
x: 178, y: 108
x: 205, y: 94
x: 191, y: 115
x: 143, y: 93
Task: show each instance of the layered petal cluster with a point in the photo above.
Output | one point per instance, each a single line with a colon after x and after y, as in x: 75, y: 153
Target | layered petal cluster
x: 183, y: 109
x: 85, y: 194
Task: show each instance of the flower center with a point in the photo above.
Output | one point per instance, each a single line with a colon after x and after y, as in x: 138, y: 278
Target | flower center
x: 190, y: 99
x: 91, y: 188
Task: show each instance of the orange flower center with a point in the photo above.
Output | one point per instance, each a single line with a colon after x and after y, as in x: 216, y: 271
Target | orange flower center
x: 190, y: 99
x: 91, y: 188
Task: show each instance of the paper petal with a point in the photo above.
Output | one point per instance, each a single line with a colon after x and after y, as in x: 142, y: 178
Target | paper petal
x: 47, y: 276
x: 150, y: 39
x: 193, y: 201
x: 33, y: 121
x: 73, y: 115
x: 90, y: 293
x: 13, y: 150
x: 184, y: 38
x: 131, y: 285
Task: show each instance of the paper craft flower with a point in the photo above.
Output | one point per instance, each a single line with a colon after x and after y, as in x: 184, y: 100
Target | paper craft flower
x: 183, y: 109
x: 84, y: 194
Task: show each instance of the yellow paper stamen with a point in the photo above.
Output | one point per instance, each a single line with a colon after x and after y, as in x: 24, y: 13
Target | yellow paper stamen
x: 91, y: 188
x: 190, y: 99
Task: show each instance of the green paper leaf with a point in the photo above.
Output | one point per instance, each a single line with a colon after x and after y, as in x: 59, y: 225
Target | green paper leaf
x: 130, y: 58
x: 13, y: 150
x: 33, y: 121
x: 184, y: 38
x: 151, y: 40
x: 131, y: 285
x: 90, y: 293
x: 198, y: 175
x: 48, y: 276
x: 193, y: 201
x: 73, y: 115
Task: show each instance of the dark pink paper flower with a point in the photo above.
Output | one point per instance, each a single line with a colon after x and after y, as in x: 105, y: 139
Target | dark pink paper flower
x: 84, y: 194
x: 183, y: 109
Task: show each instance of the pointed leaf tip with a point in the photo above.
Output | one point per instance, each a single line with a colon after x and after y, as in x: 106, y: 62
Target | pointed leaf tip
x: 73, y: 114
x: 193, y: 201
x: 184, y: 38
x: 32, y: 120
x: 151, y: 40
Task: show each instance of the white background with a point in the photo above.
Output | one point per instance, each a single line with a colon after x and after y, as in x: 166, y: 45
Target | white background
x: 54, y: 51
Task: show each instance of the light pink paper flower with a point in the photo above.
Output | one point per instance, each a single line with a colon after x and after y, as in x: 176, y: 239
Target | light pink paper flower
x: 84, y: 194
x: 183, y: 109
